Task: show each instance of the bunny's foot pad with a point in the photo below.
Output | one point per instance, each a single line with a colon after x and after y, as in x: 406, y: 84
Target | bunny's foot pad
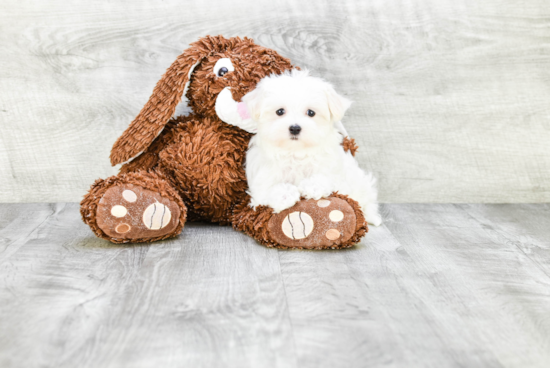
x: 130, y: 212
x: 315, y: 224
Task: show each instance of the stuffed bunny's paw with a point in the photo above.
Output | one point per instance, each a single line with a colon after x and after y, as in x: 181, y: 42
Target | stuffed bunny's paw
x: 132, y: 212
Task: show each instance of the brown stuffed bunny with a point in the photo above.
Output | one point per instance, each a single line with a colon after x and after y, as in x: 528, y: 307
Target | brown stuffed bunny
x: 191, y: 167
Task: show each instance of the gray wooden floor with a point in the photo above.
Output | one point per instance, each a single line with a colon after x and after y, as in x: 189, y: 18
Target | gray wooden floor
x: 436, y: 286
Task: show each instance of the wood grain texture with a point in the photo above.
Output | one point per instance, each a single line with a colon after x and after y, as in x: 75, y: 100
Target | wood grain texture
x: 211, y: 298
x: 451, y: 97
x: 436, y: 286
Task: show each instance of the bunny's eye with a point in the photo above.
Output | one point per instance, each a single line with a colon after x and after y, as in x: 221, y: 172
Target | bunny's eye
x: 280, y: 112
x: 223, y: 66
x: 310, y: 113
x: 223, y: 70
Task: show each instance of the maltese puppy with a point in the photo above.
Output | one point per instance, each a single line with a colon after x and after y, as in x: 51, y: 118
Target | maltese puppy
x: 297, y: 151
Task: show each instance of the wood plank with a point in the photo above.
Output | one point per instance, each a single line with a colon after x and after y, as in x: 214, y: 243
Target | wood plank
x: 438, y: 285
x: 484, y: 293
x: 211, y: 298
x: 430, y: 288
x: 526, y: 226
x: 451, y: 96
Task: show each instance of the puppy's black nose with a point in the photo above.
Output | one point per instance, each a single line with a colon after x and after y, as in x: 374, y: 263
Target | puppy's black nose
x: 295, y: 129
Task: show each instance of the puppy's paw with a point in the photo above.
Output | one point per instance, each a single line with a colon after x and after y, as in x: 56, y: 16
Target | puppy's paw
x: 315, y: 187
x: 283, y: 196
x: 375, y: 220
x: 372, y: 215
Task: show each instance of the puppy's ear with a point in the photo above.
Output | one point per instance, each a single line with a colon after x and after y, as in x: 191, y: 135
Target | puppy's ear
x: 161, y: 105
x: 253, y: 102
x: 337, y: 104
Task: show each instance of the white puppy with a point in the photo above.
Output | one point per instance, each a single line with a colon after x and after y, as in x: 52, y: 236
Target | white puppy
x: 297, y: 150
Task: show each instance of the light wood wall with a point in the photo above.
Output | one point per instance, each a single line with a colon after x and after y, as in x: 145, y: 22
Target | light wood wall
x: 452, y: 97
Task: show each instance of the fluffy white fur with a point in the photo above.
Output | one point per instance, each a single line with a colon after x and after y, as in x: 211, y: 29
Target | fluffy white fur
x: 281, y: 167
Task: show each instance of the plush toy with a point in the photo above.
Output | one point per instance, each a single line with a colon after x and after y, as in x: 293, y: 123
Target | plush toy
x: 190, y: 168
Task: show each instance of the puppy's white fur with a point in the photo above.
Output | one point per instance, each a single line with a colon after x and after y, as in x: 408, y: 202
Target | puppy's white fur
x: 281, y: 167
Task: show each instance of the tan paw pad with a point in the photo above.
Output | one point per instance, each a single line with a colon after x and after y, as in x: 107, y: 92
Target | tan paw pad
x: 336, y: 216
x: 156, y: 216
x: 297, y: 225
x: 122, y: 228
x: 119, y: 211
x: 332, y: 234
x: 323, y: 203
x: 129, y: 196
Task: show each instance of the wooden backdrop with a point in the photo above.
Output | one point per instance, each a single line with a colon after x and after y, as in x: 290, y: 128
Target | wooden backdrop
x: 452, y: 97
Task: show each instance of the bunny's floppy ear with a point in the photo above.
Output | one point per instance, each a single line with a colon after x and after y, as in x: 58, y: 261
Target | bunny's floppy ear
x: 161, y: 105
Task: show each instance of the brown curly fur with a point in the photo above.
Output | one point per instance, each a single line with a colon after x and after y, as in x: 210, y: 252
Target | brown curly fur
x: 349, y: 145
x: 208, y: 143
x: 197, y: 160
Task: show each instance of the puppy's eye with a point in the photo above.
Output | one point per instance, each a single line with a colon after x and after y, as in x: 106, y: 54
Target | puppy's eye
x: 310, y: 113
x: 223, y: 66
x: 280, y: 112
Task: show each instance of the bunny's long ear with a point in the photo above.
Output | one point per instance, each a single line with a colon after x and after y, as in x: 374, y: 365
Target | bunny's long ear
x: 160, y: 107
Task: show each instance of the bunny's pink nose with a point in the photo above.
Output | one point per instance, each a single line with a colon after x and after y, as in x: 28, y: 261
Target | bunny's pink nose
x: 242, y: 110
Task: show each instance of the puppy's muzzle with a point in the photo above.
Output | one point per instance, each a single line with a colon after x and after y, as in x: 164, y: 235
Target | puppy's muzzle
x: 295, y: 130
